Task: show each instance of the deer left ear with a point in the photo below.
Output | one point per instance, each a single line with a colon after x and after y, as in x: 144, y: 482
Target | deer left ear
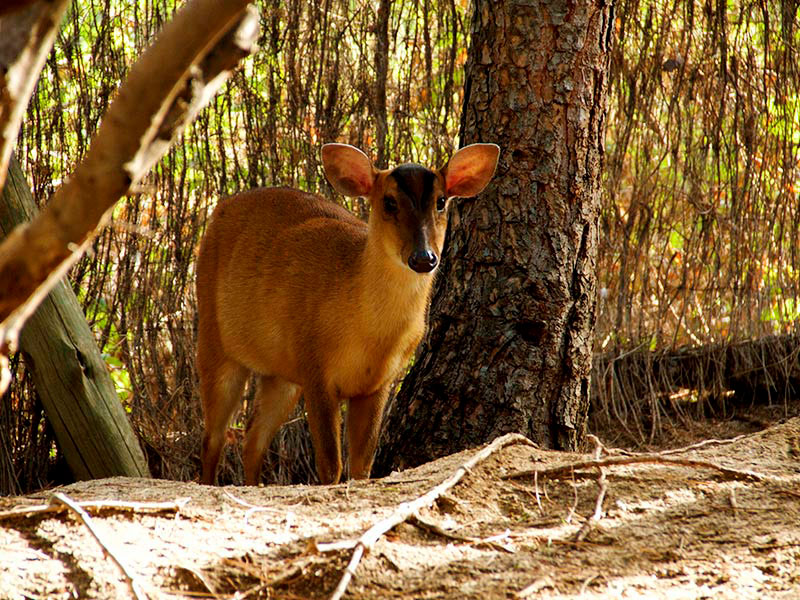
x: 470, y: 169
x: 348, y: 169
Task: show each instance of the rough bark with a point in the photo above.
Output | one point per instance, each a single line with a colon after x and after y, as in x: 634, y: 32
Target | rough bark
x: 90, y: 424
x: 512, y: 318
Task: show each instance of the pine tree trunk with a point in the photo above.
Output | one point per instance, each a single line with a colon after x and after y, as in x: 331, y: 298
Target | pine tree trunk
x: 512, y: 319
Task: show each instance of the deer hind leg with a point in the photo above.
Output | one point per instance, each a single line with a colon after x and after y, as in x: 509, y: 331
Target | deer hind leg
x: 221, y: 386
x: 275, y: 400
x: 364, y: 415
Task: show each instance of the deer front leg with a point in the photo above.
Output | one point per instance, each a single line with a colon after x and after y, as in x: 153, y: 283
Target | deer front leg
x: 324, y: 421
x: 363, y: 426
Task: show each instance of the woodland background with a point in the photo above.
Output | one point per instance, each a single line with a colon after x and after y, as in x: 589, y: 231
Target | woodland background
x: 699, y: 258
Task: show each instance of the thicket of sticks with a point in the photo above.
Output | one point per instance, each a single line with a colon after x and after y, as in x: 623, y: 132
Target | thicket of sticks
x: 697, y: 239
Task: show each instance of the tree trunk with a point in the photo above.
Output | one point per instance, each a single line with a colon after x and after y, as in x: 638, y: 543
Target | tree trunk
x: 512, y: 318
x: 90, y: 424
x: 381, y: 75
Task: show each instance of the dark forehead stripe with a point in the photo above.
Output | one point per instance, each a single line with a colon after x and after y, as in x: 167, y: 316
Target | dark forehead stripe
x: 416, y: 182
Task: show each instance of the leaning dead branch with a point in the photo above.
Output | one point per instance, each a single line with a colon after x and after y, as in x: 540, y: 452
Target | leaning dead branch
x: 615, y: 461
x: 26, y: 36
x: 135, y: 586
x: 408, y: 509
x: 12, y: 326
x: 165, y: 89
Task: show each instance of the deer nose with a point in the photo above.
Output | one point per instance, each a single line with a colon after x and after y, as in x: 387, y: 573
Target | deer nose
x: 423, y: 261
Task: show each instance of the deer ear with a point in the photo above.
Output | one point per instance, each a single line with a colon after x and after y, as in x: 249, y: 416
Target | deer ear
x: 470, y: 169
x: 348, y: 169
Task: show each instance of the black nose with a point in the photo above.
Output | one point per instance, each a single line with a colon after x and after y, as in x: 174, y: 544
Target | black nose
x: 423, y: 261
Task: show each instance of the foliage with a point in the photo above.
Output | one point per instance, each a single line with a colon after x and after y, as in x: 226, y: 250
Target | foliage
x: 698, y: 241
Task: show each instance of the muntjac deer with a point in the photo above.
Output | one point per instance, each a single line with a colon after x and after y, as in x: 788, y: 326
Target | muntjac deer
x: 294, y: 288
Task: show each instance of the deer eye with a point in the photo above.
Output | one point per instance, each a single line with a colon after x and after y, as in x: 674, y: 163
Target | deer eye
x: 441, y: 202
x: 389, y: 205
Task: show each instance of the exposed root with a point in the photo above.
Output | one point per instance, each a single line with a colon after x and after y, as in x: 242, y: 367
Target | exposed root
x: 408, y: 509
x: 657, y: 459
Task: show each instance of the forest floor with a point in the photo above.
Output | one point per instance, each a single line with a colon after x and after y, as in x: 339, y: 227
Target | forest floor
x: 718, y: 516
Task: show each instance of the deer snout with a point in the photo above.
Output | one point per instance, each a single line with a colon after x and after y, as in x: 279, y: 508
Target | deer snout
x: 423, y: 261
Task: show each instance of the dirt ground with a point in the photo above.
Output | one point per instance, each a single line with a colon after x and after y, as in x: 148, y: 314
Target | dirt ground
x: 717, y: 520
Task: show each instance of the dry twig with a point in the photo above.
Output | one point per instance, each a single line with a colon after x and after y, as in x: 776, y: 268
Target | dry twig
x: 201, y: 577
x: 695, y: 446
x: 603, y: 485
x: 136, y: 507
x: 135, y: 586
x: 407, y: 509
x: 287, y: 575
x: 252, y: 508
x: 535, y: 587
x: 490, y: 542
x: 657, y: 459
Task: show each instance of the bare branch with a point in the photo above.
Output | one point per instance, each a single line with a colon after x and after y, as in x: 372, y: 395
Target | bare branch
x: 602, y: 483
x: 135, y: 586
x: 26, y: 36
x: 164, y: 90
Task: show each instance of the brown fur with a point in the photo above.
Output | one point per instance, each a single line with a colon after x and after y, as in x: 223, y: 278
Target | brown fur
x: 295, y: 288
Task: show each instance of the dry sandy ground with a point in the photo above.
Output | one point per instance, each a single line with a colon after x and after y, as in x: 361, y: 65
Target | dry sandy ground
x: 663, y: 531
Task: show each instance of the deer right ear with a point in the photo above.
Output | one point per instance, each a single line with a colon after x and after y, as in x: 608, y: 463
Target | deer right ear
x: 348, y: 169
x: 470, y: 169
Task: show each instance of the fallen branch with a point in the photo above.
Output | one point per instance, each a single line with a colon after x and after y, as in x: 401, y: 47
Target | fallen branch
x: 407, y: 509
x: 657, y: 459
x: 96, y: 505
x: 135, y: 586
x: 490, y: 542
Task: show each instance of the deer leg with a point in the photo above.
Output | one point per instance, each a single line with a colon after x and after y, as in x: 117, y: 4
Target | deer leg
x: 324, y: 421
x: 274, y: 402
x: 364, y: 415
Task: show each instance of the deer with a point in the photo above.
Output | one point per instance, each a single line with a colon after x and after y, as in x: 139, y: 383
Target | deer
x: 294, y: 288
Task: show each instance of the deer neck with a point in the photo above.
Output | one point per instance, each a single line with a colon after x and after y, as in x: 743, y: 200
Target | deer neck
x: 395, y: 296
